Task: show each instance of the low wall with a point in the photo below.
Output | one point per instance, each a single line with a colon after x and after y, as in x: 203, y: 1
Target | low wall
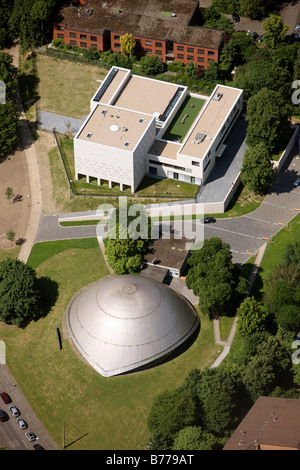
x: 277, y: 165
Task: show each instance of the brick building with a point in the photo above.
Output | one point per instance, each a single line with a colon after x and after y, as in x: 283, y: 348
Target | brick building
x: 166, y: 28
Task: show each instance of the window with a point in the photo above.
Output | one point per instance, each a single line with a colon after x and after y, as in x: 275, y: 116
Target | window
x: 190, y: 49
x: 211, y: 60
x: 94, y: 38
x: 148, y: 51
x: 158, y: 52
x: 72, y: 35
x: 148, y: 43
x: 93, y: 46
x: 117, y: 38
x: 193, y: 179
x: 152, y: 170
x: 190, y: 57
x: 211, y: 53
x: 59, y: 28
x: 175, y: 176
x: 180, y: 56
x: 201, y: 51
x: 180, y: 48
x: 117, y: 45
x: 195, y: 163
x: 61, y: 36
x: 200, y: 59
x: 73, y: 43
x: 82, y: 36
x: 83, y: 44
x: 158, y: 44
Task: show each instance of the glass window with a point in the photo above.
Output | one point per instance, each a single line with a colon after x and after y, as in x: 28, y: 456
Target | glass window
x: 195, y: 163
x: 200, y: 59
x: 180, y: 56
x: 180, y: 48
x: 190, y: 49
x: 200, y: 51
x: 73, y: 43
x: 72, y: 35
x: 61, y: 36
x: 211, y: 53
x: 93, y: 46
x: 190, y: 57
x: 148, y: 43
x: 94, y: 38
x: 83, y: 36
x: 83, y: 44
x: 158, y: 44
x: 158, y: 52
x: 152, y: 170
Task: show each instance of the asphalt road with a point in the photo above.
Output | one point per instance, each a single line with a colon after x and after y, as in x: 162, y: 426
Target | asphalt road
x: 11, y: 437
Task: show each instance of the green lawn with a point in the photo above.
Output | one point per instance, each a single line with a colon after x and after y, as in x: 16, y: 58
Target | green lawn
x: 180, y: 125
x: 99, y: 413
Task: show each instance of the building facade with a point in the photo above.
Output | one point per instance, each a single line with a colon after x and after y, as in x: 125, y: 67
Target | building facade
x: 167, y: 29
x: 125, y: 137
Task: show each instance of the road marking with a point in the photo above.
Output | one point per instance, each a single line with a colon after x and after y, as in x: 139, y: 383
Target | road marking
x: 231, y: 231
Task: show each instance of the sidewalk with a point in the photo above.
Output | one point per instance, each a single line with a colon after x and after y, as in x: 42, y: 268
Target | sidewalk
x: 227, y: 343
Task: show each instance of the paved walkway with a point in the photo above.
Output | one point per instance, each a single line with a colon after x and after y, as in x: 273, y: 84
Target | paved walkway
x: 48, y: 121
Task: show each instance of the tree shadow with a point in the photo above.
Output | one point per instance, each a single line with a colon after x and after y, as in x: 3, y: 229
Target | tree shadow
x: 49, y: 291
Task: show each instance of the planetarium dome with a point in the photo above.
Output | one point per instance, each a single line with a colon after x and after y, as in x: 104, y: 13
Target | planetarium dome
x: 122, y: 323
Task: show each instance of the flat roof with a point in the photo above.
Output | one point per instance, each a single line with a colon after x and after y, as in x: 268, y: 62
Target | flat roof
x: 211, y: 117
x: 113, y: 86
x: 164, y: 149
x: 146, y: 95
x: 142, y: 19
x: 114, y: 127
x: 271, y: 423
x: 167, y: 252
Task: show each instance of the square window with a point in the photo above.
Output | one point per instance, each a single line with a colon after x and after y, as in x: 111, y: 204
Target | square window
x: 158, y: 44
x: 94, y: 38
x: 180, y: 48
x: 72, y: 35
x: 82, y: 36
x: 200, y: 51
x: 83, y: 44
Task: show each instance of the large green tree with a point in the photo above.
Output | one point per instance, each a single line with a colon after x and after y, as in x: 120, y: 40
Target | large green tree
x: 275, y: 31
x: 268, y: 116
x: 172, y: 411
x: 213, y: 277
x: 257, y: 171
x: 20, y: 296
x: 194, y: 438
x: 251, y: 317
x: 255, y: 9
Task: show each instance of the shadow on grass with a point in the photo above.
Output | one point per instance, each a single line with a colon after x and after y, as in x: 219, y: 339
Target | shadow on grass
x: 49, y: 290
x: 76, y: 440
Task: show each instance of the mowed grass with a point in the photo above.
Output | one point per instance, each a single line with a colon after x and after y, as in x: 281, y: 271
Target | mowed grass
x: 66, y: 87
x: 181, y: 124
x: 99, y: 413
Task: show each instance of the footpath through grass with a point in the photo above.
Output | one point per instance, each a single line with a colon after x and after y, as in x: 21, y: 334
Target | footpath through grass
x: 99, y: 413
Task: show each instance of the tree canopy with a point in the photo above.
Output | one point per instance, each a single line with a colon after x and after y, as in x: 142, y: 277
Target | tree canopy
x: 275, y: 31
x: 257, y: 171
x: 213, y: 277
x: 20, y: 296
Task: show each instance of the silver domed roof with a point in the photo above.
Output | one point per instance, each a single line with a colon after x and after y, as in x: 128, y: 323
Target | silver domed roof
x: 121, y: 323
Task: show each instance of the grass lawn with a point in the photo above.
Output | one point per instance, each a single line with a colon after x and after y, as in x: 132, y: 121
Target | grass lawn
x: 99, y: 413
x: 66, y: 87
x: 274, y: 252
x: 181, y: 124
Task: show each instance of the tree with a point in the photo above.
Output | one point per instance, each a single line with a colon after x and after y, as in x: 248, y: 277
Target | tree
x: 128, y: 44
x: 257, y: 171
x: 269, y: 366
x: 190, y: 70
x: 275, y: 31
x: 254, y: 9
x: 213, y: 277
x: 291, y: 254
x: 251, y: 317
x: 9, y: 193
x: 238, y: 49
x: 213, y: 19
x: 20, y: 296
x: 9, y: 128
x: 151, y: 65
x: 217, y: 394
x: 10, y: 235
x: 194, y: 438
x: 268, y: 117
x: 171, y: 411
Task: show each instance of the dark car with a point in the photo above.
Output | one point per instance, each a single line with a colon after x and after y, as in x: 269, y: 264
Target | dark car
x: 3, y: 416
x: 5, y: 397
x: 235, y: 18
x: 296, y: 183
x: 254, y: 35
x: 208, y: 220
x: 38, y: 447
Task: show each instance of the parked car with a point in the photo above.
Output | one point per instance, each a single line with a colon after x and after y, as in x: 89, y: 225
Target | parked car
x: 5, y: 397
x: 21, y: 423
x: 30, y: 436
x: 297, y: 36
x: 297, y: 28
x: 14, y: 411
x: 254, y: 35
x: 208, y: 220
x: 296, y: 182
x: 3, y: 416
x: 260, y: 38
x: 235, y: 18
x: 38, y: 447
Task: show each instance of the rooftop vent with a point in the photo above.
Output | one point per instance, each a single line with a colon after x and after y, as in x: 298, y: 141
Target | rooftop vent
x: 104, y: 111
x: 86, y: 12
x: 89, y: 135
x: 200, y: 137
x: 126, y: 143
x: 217, y: 96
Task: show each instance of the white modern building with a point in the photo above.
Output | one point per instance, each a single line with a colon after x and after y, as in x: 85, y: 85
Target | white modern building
x: 122, y: 139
